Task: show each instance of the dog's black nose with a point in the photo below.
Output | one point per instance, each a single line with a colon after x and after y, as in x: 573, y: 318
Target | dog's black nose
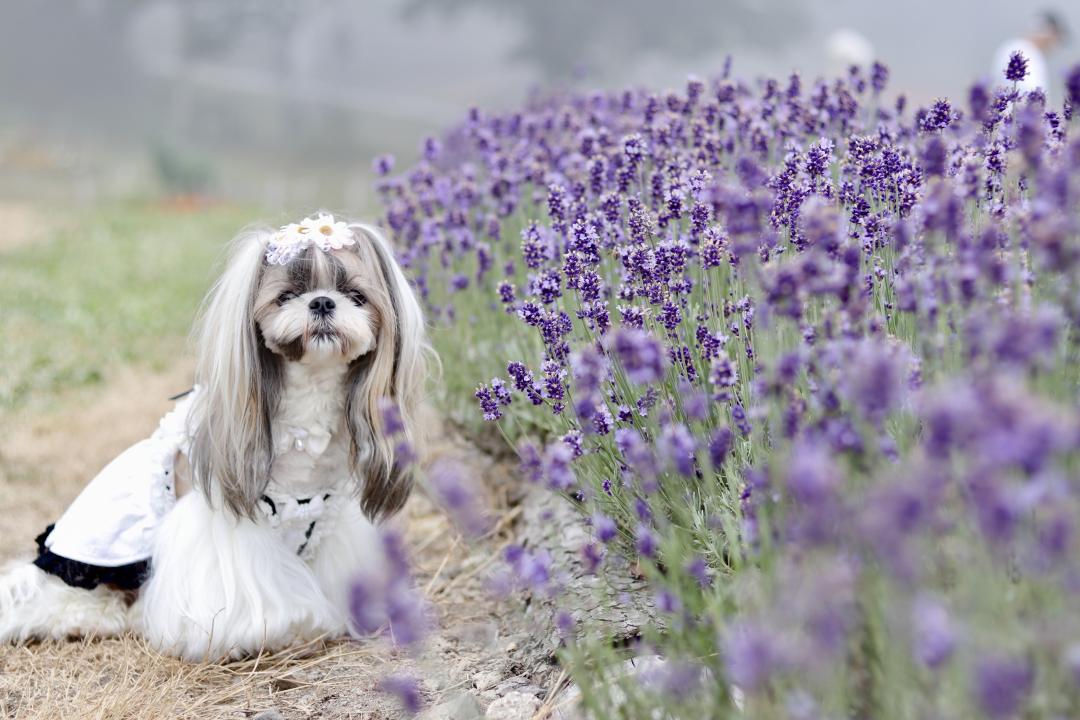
x: 322, y: 306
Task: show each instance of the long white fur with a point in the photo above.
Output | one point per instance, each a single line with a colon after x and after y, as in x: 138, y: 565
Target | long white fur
x: 34, y: 604
x: 227, y: 586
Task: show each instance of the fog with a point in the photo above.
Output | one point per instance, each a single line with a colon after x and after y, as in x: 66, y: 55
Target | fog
x: 281, y: 101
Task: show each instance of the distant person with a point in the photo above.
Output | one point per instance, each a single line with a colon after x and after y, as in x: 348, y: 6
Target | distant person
x: 1048, y: 34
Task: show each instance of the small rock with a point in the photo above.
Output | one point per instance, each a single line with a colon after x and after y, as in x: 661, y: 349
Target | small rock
x: 513, y: 706
x: 462, y: 707
x: 511, y: 683
x: 271, y: 714
x: 487, y: 679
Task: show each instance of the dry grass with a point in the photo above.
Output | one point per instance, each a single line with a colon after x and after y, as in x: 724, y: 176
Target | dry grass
x: 121, y: 678
x: 45, y: 460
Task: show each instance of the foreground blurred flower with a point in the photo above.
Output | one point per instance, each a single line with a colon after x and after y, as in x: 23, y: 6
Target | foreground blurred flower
x: 455, y: 490
x: 640, y: 355
x: 1002, y: 685
x: 384, y: 597
x: 752, y: 655
x: 406, y: 689
x: 935, y: 638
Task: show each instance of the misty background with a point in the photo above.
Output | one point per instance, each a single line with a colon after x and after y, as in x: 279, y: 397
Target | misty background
x: 284, y: 103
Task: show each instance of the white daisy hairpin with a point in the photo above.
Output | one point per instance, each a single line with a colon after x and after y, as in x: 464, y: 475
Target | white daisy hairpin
x: 322, y: 231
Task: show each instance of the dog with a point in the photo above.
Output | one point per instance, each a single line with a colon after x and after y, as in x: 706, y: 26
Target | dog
x: 238, y: 526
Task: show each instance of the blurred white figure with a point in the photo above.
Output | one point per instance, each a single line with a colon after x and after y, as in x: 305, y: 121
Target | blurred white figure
x: 1048, y: 33
x: 847, y: 47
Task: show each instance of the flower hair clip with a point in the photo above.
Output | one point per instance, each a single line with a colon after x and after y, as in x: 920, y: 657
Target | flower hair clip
x: 322, y: 231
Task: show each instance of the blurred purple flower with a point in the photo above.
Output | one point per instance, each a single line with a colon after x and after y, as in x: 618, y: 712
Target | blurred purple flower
x: 752, y: 655
x: 383, y: 165
x: 1002, y: 685
x: 557, y: 466
x: 640, y: 355
x: 677, y: 446
x: 455, y: 490
x: 384, y: 597
x: 934, y: 635
x: 406, y: 689
x: 645, y: 542
x: 720, y: 445
x: 604, y: 528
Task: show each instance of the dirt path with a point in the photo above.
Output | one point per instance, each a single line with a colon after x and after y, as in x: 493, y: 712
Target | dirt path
x: 481, y: 657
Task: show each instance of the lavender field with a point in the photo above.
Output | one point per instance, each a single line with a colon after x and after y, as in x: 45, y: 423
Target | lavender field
x: 806, y: 354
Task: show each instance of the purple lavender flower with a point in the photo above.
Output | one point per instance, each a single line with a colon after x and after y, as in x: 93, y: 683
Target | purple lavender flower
x: 391, y: 417
x: 933, y: 156
x: 386, y: 598
x: 506, y: 293
x: 1002, y: 684
x: 501, y: 391
x: 530, y: 569
x: 724, y: 375
x: 383, y: 165
x: 879, y: 76
x: 752, y: 655
x: 406, y: 689
x: 1072, y: 86
x: 698, y: 569
x: 641, y: 356
x: 604, y: 528
x: 525, y: 382
x: 531, y: 464
x: 557, y: 466
x: 637, y: 454
x: 738, y: 416
x: 667, y: 602
x: 590, y: 370
x: 488, y: 403
x: 939, y: 117
x: 455, y: 490
x: 812, y: 477
x: 677, y: 446
x: 431, y: 149
x: 645, y: 542
x: 1017, y: 69
x: 534, y: 250
x: 874, y: 381
x: 935, y: 638
x: 720, y: 445
x: 592, y: 556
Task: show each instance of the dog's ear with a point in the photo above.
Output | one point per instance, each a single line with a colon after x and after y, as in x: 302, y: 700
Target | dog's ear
x: 396, y: 371
x: 238, y: 383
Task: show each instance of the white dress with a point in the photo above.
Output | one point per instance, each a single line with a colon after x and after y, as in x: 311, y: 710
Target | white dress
x: 107, y: 534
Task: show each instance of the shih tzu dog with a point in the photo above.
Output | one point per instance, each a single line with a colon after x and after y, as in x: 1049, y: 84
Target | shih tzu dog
x: 239, y: 524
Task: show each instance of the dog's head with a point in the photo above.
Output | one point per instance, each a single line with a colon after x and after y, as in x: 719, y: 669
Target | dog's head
x: 316, y: 293
x: 323, y: 307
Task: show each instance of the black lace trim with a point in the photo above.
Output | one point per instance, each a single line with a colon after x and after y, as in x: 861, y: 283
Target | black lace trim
x: 82, y: 575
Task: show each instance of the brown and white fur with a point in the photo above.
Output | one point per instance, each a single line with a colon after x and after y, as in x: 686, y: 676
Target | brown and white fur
x: 315, y: 346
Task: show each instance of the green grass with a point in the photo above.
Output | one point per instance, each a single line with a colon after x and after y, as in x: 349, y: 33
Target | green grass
x: 114, y: 286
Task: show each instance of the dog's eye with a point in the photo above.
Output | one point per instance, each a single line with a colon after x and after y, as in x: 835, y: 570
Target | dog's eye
x: 285, y: 297
x: 359, y: 299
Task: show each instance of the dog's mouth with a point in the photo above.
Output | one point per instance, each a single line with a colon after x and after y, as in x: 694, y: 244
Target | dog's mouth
x: 320, y: 339
x: 325, y: 334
